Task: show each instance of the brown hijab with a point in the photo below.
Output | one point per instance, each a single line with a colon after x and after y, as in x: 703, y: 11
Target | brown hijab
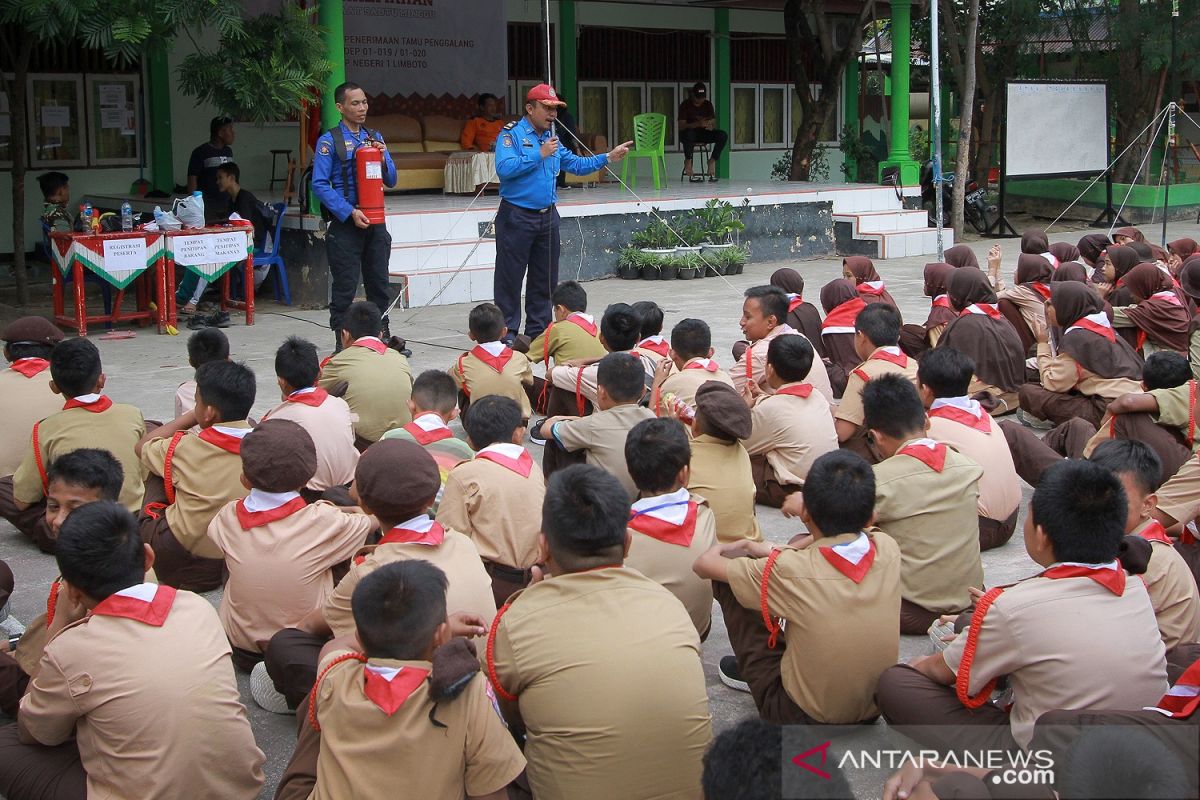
x: 866, y: 279
x: 1131, y: 233
x: 801, y: 315
x: 1104, y: 354
x: 1091, y: 246
x: 967, y: 286
x: 1035, y: 242
x: 989, y: 339
x: 1033, y: 269
x: 1064, y: 252
x: 1160, y: 313
x: 1184, y: 248
x: 836, y: 292
x: 961, y: 256
x: 789, y: 280
x: 937, y: 276
x: 1123, y: 260
x: 1070, y: 271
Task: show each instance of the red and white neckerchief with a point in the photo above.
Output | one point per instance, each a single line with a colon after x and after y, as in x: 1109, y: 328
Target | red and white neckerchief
x: 510, y: 456
x: 1111, y: 576
x: 428, y: 428
x: 260, y: 508
x: 146, y: 602
x: 418, y: 530
x: 1053, y: 259
x: 841, y: 318
x: 1041, y: 288
x: 495, y: 354
x: 706, y: 364
x: 852, y: 559
x: 30, y: 366
x: 1182, y: 699
x: 585, y: 321
x: 655, y: 344
x: 874, y: 288
x: 389, y: 687
x: 930, y: 453
x: 941, y: 301
x: 94, y: 403
x: 801, y: 390
x: 962, y: 410
x: 227, y: 438
x: 986, y: 309
x: 372, y: 343
x: 892, y: 355
x: 1170, y: 297
x: 794, y: 301
x: 312, y: 396
x: 669, y: 518
x: 1153, y: 531
x: 1095, y: 323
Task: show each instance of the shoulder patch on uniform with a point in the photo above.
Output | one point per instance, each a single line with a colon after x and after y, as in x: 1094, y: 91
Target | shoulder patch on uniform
x: 511, y: 125
x: 324, y: 149
x: 508, y: 140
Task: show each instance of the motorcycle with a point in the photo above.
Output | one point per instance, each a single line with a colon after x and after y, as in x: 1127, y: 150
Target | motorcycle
x: 976, y: 210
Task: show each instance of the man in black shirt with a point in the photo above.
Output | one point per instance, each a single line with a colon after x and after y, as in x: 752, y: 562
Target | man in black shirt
x: 242, y: 202
x: 202, y: 167
x: 698, y: 123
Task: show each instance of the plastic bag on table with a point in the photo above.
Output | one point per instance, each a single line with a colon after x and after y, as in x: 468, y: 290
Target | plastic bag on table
x: 190, y: 212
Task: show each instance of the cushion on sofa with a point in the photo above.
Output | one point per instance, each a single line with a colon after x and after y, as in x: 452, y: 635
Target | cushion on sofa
x: 442, y: 133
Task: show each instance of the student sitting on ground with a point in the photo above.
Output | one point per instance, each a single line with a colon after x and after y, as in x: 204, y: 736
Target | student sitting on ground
x: 375, y: 380
x: 650, y: 330
x: 326, y: 419
x: 867, y: 283
x: 280, y: 552
x: 1024, y: 304
x: 491, y: 367
x: 836, y: 593
x: 496, y: 499
x: 1160, y: 317
x: 801, y: 315
x: 1047, y: 633
x: 943, y: 377
x: 572, y: 336
x: 192, y: 476
x: 792, y: 427
x: 689, y: 364
x: 620, y: 329
x: 669, y: 527
x: 764, y: 315
x: 145, y: 658
x: 580, y: 743
x: 916, y: 339
x: 87, y: 419
x: 25, y: 393
x: 842, y: 306
x: 203, y: 346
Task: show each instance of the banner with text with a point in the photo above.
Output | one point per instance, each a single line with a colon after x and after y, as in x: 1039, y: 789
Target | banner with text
x: 402, y: 48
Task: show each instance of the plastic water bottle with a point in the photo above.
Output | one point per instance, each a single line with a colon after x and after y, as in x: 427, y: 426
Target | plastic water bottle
x: 88, y: 216
x: 158, y: 217
x: 126, y: 217
x: 198, y: 201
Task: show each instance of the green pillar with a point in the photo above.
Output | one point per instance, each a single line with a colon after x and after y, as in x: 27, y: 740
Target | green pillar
x: 568, y: 73
x: 898, y: 155
x: 329, y: 19
x: 720, y: 87
x: 158, y: 94
x: 850, y: 119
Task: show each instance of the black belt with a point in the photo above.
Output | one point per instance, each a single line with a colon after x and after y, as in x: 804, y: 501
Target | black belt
x: 530, y: 210
x: 511, y: 574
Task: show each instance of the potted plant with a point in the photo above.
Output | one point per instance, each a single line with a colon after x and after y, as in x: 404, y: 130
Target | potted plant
x: 721, y: 222
x: 629, y: 263
x: 693, y: 234
x: 734, y: 259
x: 655, y: 238
x: 690, y: 266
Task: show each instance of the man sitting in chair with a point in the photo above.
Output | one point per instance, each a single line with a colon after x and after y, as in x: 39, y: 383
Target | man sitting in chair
x: 481, y: 130
x: 698, y: 124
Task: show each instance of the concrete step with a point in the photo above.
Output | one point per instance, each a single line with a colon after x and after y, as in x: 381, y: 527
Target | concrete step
x: 470, y: 285
x: 885, y: 221
x: 913, y: 242
x: 432, y: 256
x: 433, y: 226
x: 868, y: 198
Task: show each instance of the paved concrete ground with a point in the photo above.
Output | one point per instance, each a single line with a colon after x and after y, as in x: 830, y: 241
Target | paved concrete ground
x: 145, y: 371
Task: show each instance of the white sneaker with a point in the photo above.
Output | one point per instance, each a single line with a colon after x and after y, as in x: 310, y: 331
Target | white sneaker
x: 262, y: 689
x: 730, y: 675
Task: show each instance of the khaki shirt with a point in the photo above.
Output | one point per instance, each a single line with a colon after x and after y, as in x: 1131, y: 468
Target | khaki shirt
x: 670, y: 563
x: 1062, y: 373
x: 851, y: 407
x: 840, y: 634
x: 153, y: 709
x: 477, y: 379
x: 1173, y: 593
x: 331, y: 426
x: 791, y: 432
x: 23, y: 401
x: 721, y: 474
x: 470, y: 588
x: 603, y: 725
x: 999, y: 486
x: 934, y: 519
x: 185, y: 398
x: 367, y: 753
x: 603, y: 435
x: 1180, y: 495
x: 206, y: 478
x: 566, y: 340
x: 683, y: 384
x: 378, y: 388
x: 1048, y: 636
x: 498, y: 508
x: 1194, y: 353
x: 1176, y: 409
x: 281, y: 570
x: 817, y: 375
x: 583, y: 379
x: 116, y: 429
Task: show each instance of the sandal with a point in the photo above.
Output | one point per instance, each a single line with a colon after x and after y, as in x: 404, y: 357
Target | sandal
x: 712, y: 178
x: 696, y: 179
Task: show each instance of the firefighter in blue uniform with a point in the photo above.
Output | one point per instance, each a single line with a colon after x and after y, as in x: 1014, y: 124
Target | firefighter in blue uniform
x: 356, y: 249
x: 528, y: 159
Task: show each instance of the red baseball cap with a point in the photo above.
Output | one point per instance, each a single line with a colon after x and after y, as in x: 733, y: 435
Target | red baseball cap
x: 544, y: 93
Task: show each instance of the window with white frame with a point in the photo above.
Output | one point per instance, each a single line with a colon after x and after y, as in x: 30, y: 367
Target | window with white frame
x: 629, y: 100
x: 595, y: 112
x: 663, y: 98
x: 765, y: 116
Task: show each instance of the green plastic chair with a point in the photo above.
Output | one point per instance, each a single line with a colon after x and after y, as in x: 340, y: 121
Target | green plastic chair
x: 649, y: 141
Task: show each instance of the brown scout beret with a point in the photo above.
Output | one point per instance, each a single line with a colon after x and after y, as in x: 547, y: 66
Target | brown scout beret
x: 36, y: 330
x: 278, y: 456
x: 396, y: 480
x: 726, y: 414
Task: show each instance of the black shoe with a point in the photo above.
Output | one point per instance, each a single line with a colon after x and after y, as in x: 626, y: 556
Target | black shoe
x: 197, y: 322
x: 731, y: 674
x: 337, y: 342
x: 219, y: 319
x: 386, y: 332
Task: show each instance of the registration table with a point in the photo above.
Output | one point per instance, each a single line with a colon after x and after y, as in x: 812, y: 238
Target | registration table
x: 467, y: 170
x: 214, y: 253
x: 121, y: 259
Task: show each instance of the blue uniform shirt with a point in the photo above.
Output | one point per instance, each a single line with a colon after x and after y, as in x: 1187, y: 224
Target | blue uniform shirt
x: 327, y: 172
x: 527, y: 179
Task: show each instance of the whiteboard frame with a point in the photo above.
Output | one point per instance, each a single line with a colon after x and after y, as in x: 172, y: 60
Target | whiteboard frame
x: 1107, y: 129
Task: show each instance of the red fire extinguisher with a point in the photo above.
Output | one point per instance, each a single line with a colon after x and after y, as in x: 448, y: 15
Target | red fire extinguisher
x: 368, y: 172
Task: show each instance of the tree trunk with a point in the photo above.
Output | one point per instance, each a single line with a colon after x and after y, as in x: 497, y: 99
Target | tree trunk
x: 963, y: 161
x: 20, y: 146
x: 807, y: 136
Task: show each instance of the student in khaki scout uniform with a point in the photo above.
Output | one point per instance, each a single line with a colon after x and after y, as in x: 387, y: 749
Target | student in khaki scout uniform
x: 792, y: 427
x: 581, y: 742
x: 390, y: 720
x: 325, y: 418
x: 669, y: 527
x: 75, y: 479
x: 409, y: 533
x: 926, y: 498
x: 572, y: 336
x: 491, y: 367
x: 377, y: 378
x: 1046, y: 633
x: 193, y: 476
x: 280, y: 551
x: 877, y: 342
x: 651, y: 318
x: 25, y: 393
x: 496, y: 499
x: 764, y: 312
x: 1167, y: 577
x: 87, y: 419
x: 689, y: 364
x: 601, y: 436
x: 142, y: 684
x: 838, y: 589
x: 962, y: 422
x: 575, y: 384
x: 203, y: 346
